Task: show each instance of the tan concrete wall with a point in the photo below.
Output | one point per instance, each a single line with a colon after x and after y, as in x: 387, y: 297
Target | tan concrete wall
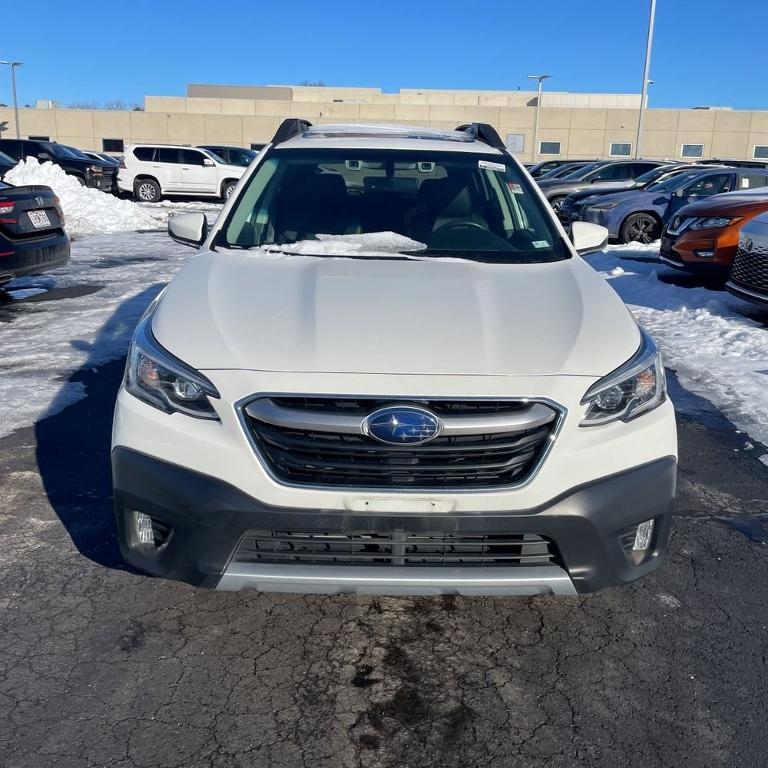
x: 584, y: 132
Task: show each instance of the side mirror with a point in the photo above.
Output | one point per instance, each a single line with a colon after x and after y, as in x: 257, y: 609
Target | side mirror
x: 188, y: 229
x: 208, y: 163
x: 587, y: 237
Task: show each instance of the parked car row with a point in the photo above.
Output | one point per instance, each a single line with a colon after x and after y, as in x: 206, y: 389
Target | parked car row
x: 147, y: 171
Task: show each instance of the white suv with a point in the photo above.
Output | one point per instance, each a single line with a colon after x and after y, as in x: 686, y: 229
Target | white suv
x: 150, y: 171
x: 388, y: 370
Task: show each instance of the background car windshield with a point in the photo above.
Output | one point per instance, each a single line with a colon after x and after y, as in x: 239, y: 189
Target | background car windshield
x: 652, y: 175
x: 6, y: 158
x: 457, y: 204
x: 673, y: 182
x: 581, y: 172
x: 61, y: 151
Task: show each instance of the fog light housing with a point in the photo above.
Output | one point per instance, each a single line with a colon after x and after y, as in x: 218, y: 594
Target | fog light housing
x: 705, y: 254
x: 641, y: 543
x: 142, y: 528
x: 147, y: 532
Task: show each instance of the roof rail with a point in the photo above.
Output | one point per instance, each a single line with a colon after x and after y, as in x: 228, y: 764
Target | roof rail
x: 485, y: 133
x: 293, y: 126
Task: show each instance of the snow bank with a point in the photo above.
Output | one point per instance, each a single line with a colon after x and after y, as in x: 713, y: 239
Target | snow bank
x: 86, y: 211
x: 706, y: 336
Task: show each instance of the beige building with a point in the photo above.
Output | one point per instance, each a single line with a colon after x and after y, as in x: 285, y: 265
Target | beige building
x: 572, y: 125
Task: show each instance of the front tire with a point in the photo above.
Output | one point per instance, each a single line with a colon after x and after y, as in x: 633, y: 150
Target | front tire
x: 640, y: 228
x: 146, y: 190
x: 227, y: 189
x: 556, y: 202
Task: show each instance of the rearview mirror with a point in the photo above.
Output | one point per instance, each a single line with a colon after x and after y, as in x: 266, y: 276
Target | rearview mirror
x: 208, y: 163
x: 188, y: 228
x: 587, y: 237
x: 680, y: 193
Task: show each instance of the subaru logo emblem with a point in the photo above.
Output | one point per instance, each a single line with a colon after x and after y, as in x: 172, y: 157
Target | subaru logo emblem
x: 402, y: 425
x: 748, y: 245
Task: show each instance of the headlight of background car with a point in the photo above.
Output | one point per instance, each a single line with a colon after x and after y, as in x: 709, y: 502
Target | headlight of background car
x: 714, y: 222
x: 636, y: 387
x: 605, y: 206
x: 158, y: 378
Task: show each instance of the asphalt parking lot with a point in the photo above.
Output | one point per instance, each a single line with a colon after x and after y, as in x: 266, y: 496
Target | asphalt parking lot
x: 105, y: 667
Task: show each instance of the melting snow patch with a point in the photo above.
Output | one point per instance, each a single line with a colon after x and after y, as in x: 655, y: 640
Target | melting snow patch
x: 86, y: 211
x: 371, y: 245
x: 717, y: 352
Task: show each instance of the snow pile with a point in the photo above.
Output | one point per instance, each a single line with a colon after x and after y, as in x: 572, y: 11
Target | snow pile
x: 369, y: 244
x: 706, y: 336
x: 86, y: 211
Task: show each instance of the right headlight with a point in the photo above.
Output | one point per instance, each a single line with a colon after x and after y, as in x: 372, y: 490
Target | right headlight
x: 155, y: 376
x: 634, y: 388
x: 605, y: 206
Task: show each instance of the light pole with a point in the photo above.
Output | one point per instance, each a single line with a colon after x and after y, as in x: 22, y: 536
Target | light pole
x: 646, y: 72
x: 541, y: 79
x: 13, y: 65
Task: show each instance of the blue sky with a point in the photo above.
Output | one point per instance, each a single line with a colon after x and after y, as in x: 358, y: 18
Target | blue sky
x: 705, y: 52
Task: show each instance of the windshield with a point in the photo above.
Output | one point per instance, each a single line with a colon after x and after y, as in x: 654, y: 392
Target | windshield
x: 456, y: 204
x: 652, y: 175
x: 6, y: 158
x: 674, y: 181
x: 59, y: 150
x: 581, y: 171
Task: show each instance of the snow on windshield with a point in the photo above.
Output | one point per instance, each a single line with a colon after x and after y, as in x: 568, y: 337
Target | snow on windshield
x: 370, y: 244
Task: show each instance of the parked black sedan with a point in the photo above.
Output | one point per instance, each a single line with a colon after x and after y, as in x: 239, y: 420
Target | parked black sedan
x: 32, y: 236
x: 603, y: 172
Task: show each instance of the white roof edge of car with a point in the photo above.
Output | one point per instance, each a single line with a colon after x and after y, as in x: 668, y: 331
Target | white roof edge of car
x: 386, y: 136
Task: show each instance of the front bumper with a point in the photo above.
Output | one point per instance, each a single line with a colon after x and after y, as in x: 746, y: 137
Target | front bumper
x: 604, y: 217
x: 207, y: 518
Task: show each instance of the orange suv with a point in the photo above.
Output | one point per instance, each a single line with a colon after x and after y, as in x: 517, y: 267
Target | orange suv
x: 703, y: 236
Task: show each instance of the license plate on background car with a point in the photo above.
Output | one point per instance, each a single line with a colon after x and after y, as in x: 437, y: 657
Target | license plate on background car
x: 39, y: 219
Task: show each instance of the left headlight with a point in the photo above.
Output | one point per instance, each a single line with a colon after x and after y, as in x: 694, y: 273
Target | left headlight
x: 154, y: 375
x: 605, y: 206
x: 714, y: 222
x: 636, y: 387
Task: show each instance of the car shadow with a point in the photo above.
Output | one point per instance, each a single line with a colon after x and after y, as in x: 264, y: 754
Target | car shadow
x: 73, y: 442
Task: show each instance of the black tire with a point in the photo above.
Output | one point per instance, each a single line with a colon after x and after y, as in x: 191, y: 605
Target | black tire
x: 80, y: 179
x: 226, y: 189
x: 556, y: 201
x: 146, y: 190
x: 640, y: 228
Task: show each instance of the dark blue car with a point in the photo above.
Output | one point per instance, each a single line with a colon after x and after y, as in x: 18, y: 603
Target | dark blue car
x: 640, y: 215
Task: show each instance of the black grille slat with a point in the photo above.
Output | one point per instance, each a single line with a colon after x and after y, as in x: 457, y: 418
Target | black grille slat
x: 399, y: 548
x: 322, y: 458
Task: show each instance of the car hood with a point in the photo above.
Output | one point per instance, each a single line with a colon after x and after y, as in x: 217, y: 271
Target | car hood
x: 639, y: 196
x: 732, y: 203
x: 233, y: 309
x: 602, y: 189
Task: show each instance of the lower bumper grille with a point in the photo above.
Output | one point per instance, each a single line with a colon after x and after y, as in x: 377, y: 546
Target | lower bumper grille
x: 321, y: 442
x: 397, y: 548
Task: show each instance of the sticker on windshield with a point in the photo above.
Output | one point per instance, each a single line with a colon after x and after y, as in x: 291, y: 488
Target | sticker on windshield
x: 540, y: 243
x: 515, y: 189
x: 489, y: 166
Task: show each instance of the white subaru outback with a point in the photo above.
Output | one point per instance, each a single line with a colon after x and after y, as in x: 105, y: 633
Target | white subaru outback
x: 388, y: 370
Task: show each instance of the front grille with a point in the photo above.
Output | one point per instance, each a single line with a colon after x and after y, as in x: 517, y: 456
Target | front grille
x: 750, y: 267
x: 300, y: 455
x: 397, y: 548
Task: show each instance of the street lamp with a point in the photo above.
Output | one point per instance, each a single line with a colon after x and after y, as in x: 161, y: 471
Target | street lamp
x: 541, y: 79
x: 13, y: 65
x: 646, y: 72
